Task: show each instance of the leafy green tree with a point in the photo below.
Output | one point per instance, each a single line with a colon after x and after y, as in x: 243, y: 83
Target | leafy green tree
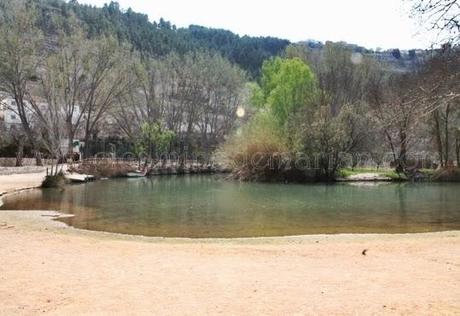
x: 153, y: 138
x: 258, y: 151
x: 286, y: 85
x: 327, y: 138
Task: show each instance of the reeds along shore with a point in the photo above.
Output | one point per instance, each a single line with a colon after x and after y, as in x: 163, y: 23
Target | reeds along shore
x: 112, y: 168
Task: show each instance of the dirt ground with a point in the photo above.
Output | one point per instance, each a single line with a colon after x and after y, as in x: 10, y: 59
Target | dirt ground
x: 49, y: 268
x: 18, y: 181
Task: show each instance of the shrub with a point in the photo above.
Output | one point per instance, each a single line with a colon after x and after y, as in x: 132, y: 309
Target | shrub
x: 54, y: 181
x: 450, y: 174
x: 261, y: 152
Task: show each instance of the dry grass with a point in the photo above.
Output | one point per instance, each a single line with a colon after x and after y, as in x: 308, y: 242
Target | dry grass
x: 104, y: 168
x: 255, y: 152
x: 449, y: 174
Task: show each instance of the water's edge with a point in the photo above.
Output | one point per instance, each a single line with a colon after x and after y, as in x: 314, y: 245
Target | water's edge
x: 48, y: 221
x: 63, y: 215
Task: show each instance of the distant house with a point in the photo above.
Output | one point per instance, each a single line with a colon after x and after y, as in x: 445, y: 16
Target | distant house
x: 10, y: 119
x: 8, y: 115
x: 8, y: 110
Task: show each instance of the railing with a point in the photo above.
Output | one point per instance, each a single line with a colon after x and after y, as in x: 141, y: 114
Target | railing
x: 161, y: 163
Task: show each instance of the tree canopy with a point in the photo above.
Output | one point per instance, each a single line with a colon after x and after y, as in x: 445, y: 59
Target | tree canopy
x: 286, y: 85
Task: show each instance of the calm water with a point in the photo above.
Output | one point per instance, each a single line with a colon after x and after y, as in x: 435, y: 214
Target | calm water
x: 208, y: 206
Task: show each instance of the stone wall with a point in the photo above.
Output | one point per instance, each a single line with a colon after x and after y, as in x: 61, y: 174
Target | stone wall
x: 11, y: 162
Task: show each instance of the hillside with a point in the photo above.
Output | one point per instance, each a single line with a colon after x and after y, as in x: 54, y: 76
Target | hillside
x: 162, y: 37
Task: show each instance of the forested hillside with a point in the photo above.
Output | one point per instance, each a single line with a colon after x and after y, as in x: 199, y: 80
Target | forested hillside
x: 159, y: 38
x: 162, y: 37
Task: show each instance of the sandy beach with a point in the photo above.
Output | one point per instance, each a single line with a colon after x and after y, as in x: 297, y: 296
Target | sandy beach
x: 49, y: 268
x: 16, y: 179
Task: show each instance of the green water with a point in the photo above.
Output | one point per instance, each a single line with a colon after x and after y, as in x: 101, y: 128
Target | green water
x: 209, y: 206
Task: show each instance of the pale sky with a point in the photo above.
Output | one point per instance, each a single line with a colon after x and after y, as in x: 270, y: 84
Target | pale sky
x: 370, y: 23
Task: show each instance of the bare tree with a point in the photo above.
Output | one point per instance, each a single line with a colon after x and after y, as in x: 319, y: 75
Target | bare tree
x: 67, y: 67
x: 195, y: 96
x: 221, y: 94
x: 148, y: 95
x: 457, y: 144
x: 51, y: 117
x: 439, y: 89
x: 442, y: 16
x: 404, y: 104
x: 105, y: 83
x: 347, y: 80
x: 20, y: 47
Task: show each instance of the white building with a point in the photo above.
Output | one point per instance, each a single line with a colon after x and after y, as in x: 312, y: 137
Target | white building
x: 8, y: 111
x: 9, y: 118
x: 8, y: 115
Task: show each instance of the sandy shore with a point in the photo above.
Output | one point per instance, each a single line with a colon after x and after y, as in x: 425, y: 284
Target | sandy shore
x: 19, y: 181
x: 48, y: 268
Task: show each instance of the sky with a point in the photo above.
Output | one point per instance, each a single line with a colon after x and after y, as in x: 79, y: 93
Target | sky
x: 370, y: 23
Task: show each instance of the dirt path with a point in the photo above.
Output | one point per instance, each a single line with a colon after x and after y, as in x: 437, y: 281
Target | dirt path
x: 48, y: 268
x: 15, y: 182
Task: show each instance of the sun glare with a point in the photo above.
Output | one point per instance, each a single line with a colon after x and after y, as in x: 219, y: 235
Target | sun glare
x: 240, y: 112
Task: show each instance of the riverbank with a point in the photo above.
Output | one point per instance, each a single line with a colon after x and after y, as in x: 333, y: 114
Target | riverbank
x: 52, y: 269
x: 49, y: 268
x: 18, y: 179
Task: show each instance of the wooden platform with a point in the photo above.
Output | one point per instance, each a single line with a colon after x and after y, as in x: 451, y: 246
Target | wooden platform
x: 79, y: 178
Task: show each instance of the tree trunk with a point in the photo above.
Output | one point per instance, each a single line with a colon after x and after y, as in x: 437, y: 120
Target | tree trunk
x: 86, y: 148
x: 446, y: 135
x: 20, y: 152
x: 457, y: 147
x: 437, y: 132
x: 32, y: 140
x: 70, y: 134
x: 402, y: 159
x: 21, y: 107
x: 38, y: 157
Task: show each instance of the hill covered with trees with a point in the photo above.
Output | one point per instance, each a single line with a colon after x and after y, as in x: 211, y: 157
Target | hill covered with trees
x: 159, y: 38
x: 162, y: 37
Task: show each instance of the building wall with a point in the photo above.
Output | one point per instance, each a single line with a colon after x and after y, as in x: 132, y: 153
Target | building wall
x: 7, y: 115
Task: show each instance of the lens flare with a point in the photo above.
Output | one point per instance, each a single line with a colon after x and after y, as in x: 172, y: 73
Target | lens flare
x: 240, y: 112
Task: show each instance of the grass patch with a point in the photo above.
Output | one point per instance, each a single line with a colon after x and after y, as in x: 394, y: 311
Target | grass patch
x: 346, y: 172
x: 428, y: 172
x: 389, y: 173
x: 392, y: 174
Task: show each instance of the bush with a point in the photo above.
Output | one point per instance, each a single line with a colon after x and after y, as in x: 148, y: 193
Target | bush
x: 259, y: 152
x: 250, y: 152
x: 450, y: 174
x: 56, y: 181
